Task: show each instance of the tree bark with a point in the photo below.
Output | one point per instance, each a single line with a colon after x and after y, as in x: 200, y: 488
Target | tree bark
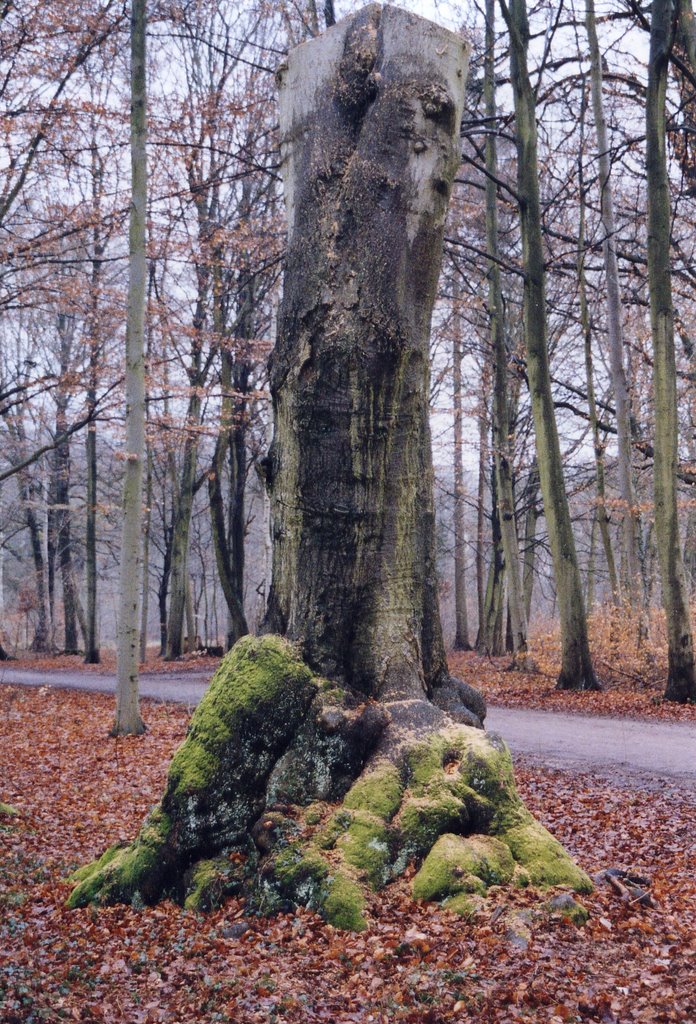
x: 576, y: 672
x: 128, y: 718
x: 531, y: 495
x: 349, y: 469
x: 681, y: 679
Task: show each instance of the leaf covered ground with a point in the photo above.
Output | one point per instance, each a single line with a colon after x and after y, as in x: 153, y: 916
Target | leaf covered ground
x: 78, y: 791
x: 632, y: 671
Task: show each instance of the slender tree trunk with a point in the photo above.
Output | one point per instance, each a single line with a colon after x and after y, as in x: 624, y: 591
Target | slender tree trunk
x: 60, y: 494
x: 681, y: 679
x: 481, y: 503
x: 461, y: 636
x: 576, y: 672
x: 490, y: 635
x: 630, y: 514
x: 531, y: 494
x: 502, y: 435
x: 181, y: 530
x: 228, y: 537
x: 591, y: 562
x: 128, y: 718
x: 601, y: 515
x: 147, y: 526
x: 28, y: 498
x: 92, y: 654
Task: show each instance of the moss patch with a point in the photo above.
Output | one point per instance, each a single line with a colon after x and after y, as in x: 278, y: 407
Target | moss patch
x: 378, y: 791
x: 210, y: 881
x: 344, y: 904
x: 8, y: 811
x: 366, y: 845
x: 422, y: 820
x: 459, y: 864
x: 127, y: 874
x: 543, y: 857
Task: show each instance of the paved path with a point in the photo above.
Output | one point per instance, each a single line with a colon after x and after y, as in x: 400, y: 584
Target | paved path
x: 616, y: 746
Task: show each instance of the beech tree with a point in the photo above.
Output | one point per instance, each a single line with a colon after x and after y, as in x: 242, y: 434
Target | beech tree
x: 356, y: 703
x: 576, y: 672
x: 128, y: 718
x: 681, y: 679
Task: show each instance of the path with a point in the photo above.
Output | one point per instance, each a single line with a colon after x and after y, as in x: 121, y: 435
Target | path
x: 654, y: 750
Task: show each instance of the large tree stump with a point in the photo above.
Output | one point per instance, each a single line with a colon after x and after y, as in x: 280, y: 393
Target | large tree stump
x: 320, y: 765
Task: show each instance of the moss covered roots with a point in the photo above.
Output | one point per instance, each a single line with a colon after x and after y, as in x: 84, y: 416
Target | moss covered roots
x: 250, y: 799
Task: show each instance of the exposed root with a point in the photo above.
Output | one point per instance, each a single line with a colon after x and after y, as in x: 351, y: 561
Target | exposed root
x: 251, y: 802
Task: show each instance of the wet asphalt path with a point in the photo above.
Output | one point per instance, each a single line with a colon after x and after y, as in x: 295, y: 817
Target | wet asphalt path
x: 653, y: 751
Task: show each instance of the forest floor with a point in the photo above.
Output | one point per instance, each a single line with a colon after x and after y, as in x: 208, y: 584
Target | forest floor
x: 77, y: 791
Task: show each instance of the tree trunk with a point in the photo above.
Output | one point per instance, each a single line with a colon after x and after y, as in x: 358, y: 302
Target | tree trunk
x: 576, y: 672
x: 502, y: 434
x: 481, y: 501
x: 228, y: 537
x: 461, y: 636
x: 531, y: 496
x: 681, y: 679
x: 349, y: 469
x: 601, y: 514
x: 180, y: 533
x: 630, y: 522
x: 128, y: 718
x: 270, y: 737
x: 490, y: 634
x: 92, y: 653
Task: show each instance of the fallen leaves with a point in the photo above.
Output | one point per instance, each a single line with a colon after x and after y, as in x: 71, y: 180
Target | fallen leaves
x: 78, y: 791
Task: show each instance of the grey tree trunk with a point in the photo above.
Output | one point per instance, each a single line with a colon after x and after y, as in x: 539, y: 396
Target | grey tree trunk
x: 489, y: 639
x: 601, y: 513
x: 531, y: 496
x: 576, y: 672
x: 369, y: 146
x: 630, y: 521
x: 92, y: 654
x: 480, y: 500
x: 128, y: 718
x: 502, y: 433
x: 461, y: 637
x: 681, y: 679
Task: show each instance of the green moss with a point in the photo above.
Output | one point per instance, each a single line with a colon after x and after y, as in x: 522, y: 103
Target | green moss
x: 343, y: 906
x: 127, y: 874
x: 378, y: 791
x: 543, y: 857
x: 315, y: 812
x: 88, y: 870
x: 260, y: 676
x: 463, y: 864
x: 8, y: 811
x: 465, y: 904
x: 210, y: 881
x: 421, y: 820
x: 336, y: 826
x: 424, y: 762
x: 366, y: 845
